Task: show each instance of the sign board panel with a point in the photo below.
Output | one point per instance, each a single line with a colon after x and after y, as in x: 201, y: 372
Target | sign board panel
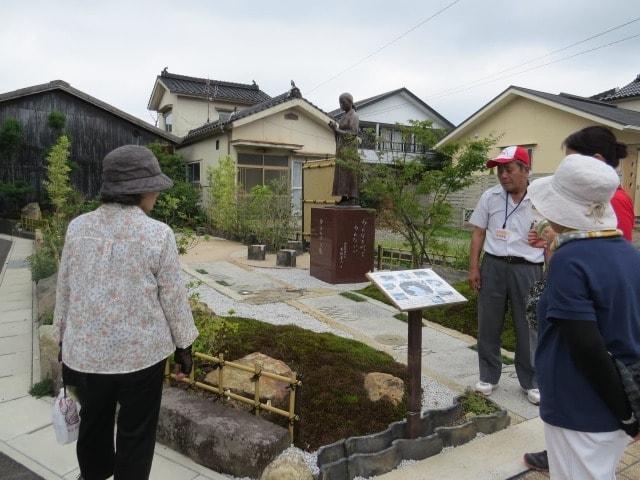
x: 415, y: 289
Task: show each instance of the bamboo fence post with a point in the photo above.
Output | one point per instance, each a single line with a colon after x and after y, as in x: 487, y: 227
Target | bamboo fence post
x: 167, y: 371
x: 221, y: 375
x: 257, y: 366
x: 292, y: 404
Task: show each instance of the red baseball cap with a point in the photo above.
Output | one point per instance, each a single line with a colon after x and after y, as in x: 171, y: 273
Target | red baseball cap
x: 510, y: 154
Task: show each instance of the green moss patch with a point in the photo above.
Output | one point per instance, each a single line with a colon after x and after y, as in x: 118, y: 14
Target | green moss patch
x: 333, y: 402
x: 353, y: 296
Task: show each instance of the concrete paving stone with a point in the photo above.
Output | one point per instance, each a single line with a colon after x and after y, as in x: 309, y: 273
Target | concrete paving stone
x: 176, y: 457
x: 12, y: 470
x: 163, y: 469
x: 28, y: 462
x: 14, y: 386
x: 499, y: 454
x: 459, y: 364
x: 22, y: 416
x: 18, y: 327
x: 42, y: 446
x: 73, y: 474
x: 15, y: 343
x: 15, y: 363
x: 23, y: 294
x: 12, y: 306
x: 14, y: 315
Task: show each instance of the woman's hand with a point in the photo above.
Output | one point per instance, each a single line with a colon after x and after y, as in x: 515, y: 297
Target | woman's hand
x: 534, y: 240
x: 184, y: 360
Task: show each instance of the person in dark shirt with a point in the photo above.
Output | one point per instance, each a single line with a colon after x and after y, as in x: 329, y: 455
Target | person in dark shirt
x: 587, y: 313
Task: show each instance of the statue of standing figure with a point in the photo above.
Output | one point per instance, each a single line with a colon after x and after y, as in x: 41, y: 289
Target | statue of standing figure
x: 345, y: 177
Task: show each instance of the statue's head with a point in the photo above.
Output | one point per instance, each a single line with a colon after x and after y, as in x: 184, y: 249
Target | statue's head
x: 346, y: 101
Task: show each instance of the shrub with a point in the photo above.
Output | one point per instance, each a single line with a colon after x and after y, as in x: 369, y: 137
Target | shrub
x: 13, y: 196
x: 42, y: 263
x: 56, y: 120
x: 44, y: 388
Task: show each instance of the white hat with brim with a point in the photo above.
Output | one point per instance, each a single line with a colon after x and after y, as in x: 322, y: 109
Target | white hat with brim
x: 578, y: 195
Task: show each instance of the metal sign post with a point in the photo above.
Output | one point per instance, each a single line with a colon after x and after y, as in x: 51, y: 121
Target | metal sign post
x: 414, y: 360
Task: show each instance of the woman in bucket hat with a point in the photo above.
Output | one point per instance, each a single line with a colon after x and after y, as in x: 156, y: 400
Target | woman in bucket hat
x: 121, y: 310
x: 587, y: 312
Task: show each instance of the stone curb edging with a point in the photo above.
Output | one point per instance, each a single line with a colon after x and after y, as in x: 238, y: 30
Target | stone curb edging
x: 381, y: 452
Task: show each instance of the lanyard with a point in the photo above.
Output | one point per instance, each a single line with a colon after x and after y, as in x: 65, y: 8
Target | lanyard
x: 506, y: 208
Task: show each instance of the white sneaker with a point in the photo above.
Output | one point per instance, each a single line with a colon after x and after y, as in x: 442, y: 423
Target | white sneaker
x: 485, y: 388
x: 533, y: 395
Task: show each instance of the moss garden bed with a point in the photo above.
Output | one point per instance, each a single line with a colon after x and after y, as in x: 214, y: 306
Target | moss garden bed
x: 334, y: 403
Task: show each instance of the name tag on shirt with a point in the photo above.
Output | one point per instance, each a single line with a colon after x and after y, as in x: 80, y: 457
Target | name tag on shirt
x: 502, y: 234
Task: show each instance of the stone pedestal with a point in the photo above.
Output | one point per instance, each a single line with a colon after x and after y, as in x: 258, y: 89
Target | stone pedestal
x: 342, y: 243
x: 286, y: 258
x: 295, y: 245
x: 256, y: 252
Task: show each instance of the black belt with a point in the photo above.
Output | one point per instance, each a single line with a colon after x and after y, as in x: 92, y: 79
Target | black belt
x: 512, y: 259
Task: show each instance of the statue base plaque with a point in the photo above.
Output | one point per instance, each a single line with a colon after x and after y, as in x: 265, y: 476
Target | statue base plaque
x: 342, y: 243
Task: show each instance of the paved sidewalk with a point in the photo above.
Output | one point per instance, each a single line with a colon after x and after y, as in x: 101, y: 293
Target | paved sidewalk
x: 26, y: 433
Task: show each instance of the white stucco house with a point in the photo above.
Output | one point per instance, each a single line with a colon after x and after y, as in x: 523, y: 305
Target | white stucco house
x: 382, y: 113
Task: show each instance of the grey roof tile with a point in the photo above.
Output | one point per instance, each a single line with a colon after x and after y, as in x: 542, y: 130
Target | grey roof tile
x: 598, y: 108
x: 630, y: 90
x: 209, y: 128
x: 247, y: 94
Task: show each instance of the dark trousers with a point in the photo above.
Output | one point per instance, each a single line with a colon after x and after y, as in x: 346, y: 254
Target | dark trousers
x: 504, y: 282
x: 138, y: 394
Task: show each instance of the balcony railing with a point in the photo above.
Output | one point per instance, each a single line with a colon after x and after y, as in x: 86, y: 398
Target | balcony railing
x: 387, y: 146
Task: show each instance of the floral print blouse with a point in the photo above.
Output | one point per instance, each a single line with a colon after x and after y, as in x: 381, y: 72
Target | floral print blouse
x: 121, y: 304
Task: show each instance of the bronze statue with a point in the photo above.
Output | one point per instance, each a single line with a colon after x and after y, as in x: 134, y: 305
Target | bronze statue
x: 345, y: 177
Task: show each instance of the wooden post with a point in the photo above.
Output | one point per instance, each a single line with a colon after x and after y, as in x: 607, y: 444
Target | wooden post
x: 379, y: 256
x: 221, y: 376
x: 414, y: 360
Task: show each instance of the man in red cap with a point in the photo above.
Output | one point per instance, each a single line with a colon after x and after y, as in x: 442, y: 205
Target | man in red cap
x: 502, y: 220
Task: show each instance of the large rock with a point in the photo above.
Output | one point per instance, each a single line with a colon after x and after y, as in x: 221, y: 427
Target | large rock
x: 46, y: 294
x: 49, y: 365
x: 222, y: 438
x: 32, y: 211
x: 288, y: 466
x: 383, y: 386
x: 241, y: 382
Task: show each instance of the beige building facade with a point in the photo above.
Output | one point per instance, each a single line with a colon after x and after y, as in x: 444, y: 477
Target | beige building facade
x: 540, y: 122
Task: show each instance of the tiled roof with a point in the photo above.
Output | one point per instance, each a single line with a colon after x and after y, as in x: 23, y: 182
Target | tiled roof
x: 64, y: 86
x: 338, y: 113
x: 598, y: 108
x: 247, y: 94
x: 630, y: 90
x: 209, y: 128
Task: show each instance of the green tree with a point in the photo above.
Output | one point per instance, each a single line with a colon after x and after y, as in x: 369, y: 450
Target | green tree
x: 222, y: 209
x: 178, y: 206
x: 412, y: 190
x: 10, y: 141
x: 57, y: 184
x: 270, y: 213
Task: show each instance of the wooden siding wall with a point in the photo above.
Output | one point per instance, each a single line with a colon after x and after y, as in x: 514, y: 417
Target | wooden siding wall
x: 93, y: 133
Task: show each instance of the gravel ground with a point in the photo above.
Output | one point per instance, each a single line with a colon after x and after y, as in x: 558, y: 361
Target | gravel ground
x: 274, y: 313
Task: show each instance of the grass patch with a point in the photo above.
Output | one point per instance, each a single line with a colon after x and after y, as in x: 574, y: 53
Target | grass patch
x: 353, y: 296
x: 202, y: 271
x: 477, y: 404
x: 505, y: 360
x: 46, y: 318
x: 462, y: 317
x: 403, y: 317
x: 333, y: 402
x: 42, y: 389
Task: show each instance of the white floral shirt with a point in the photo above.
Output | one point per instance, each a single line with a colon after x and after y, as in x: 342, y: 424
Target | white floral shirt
x: 121, y: 304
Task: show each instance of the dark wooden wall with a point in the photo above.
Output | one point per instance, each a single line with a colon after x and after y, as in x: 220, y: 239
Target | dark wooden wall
x: 93, y: 133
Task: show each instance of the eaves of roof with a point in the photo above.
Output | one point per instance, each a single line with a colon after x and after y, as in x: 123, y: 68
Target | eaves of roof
x: 65, y: 87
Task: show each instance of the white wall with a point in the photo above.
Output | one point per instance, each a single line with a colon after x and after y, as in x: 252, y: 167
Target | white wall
x: 398, y: 108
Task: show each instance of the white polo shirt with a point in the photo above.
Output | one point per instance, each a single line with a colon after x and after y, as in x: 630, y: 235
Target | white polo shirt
x: 511, y: 240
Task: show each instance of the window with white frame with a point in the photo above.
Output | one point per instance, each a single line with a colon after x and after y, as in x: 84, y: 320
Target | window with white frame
x: 168, y: 120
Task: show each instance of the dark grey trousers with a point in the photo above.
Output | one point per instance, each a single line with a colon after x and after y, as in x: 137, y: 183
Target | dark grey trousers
x: 504, y: 282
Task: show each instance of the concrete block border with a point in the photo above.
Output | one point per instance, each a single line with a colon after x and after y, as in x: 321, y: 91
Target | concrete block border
x: 381, y: 452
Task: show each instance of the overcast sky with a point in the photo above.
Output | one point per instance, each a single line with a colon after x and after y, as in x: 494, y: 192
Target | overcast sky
x: 113, y: 50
